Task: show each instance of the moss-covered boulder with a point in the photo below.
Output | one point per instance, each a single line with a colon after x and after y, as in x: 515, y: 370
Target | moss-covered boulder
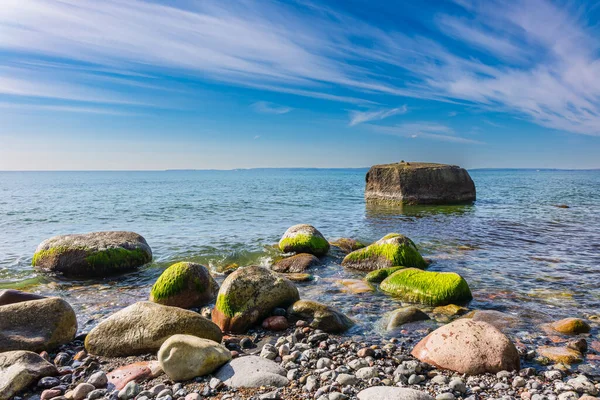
x: 36, y: 325
x: 425, y: 287
x: 249, y: 295
x: 185, y: 285
x: 143, y: 327
x: 304, y: 238
x: 320, y: 316
x: 347, y: 245
x: 379, y: 275
x: 390, y: 251
x: 93, y: 254
x: 296, y: 263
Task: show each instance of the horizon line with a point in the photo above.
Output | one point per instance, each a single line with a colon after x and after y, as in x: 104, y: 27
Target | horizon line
x: 284, y: 168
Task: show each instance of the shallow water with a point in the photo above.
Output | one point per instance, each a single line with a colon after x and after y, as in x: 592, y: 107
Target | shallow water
x: 528, y: 257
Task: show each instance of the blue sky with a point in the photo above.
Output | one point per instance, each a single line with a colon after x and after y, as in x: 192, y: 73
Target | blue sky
x: 130, y: 84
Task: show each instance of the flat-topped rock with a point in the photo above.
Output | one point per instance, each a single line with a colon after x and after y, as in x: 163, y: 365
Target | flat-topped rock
x: 419, y: 183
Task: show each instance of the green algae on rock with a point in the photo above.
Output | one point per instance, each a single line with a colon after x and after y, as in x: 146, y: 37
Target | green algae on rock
x: 304, y: 238
x: 185, y: 285
x: 379, y: 275
x: 390, y: 251
x: 425, y: 287
x: 93, y: 254
x: 320, y: 316
x: 248, y: 295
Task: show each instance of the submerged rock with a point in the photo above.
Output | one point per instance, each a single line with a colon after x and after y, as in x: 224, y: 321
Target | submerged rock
x: 296, y: 264
x: 20, y: 369
x: 450, y: 310
x: 299, y: 277
x: 185, y: 285
x: 390, y: 251
x: 468, y: 347
x: 36, y: 325
x: 563, y: 355
x: 320, y: 316
x: 347, y: 245
x: 252, y: 371
x: 571, y: 326
x: 379, y: 275
x: 184, y: 357
x: 356, y: 286
x: 304, y: 238
x: 419, y: 183
x: 497, y: 318
x: 93, y: 254
x: 403, y: 316
x: 143, y: 327
x: 426, y: 287
x: 248, y: 295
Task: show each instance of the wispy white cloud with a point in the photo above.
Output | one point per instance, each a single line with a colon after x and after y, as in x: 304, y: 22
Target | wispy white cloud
x: 265, y: 107
x: 425, y: 130
x: 533, y: 59
x: 256, y: 137
x: 358, y: 117
x: 68, y: 109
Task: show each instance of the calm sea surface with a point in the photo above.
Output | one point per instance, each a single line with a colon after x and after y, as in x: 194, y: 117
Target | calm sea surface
x: 529, y: 258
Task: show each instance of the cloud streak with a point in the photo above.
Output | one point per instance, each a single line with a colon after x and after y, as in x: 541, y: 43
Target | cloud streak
x: 425, y: 130
x: 358, y: 117
x: 264, y: 107
x: 530, y: 59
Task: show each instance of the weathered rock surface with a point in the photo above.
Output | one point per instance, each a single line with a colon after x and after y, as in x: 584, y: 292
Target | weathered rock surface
x: 347, y: 245
x: 390, y: 251
x: 320, y: 316
x: 427, y: 287
x: 93, y: 254
x: 20, y: 369
x: 499, y: 319
x: 304, y: 238
x: 185, y: 285
x: 468, y: 347
x: 143, y: 327
x: 296, y: 263
x: 184, y: 357
x: 36, y: 325
x: 252, y: 371
x: 419, y: 183
x: 405, y: 315
x: 392, y: 393
x: 248, y: 295
x: 11, y: 296
x: 136, y: 372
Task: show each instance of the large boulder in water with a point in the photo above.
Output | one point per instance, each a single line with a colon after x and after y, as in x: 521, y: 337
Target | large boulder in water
x: 93, y: 254
x: 296, y: 263
x: 249, y: 295
x: 390, y: 251
x: 19, y: 370
x: 185, y: 285
x: 427, y: 287
x: 143, y: 327
x: 320, y: 316
x: 35, y: 325
x: 419, y: 183
x: 304, y: 238
x: 468, y: 347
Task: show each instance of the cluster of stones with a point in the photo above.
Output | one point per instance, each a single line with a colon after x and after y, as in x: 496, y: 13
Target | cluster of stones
x: 307, y: 360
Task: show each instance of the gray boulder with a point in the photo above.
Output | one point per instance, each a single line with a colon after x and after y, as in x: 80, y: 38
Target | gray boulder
x: 252, y: 371
x: 419, y: 183
x: 392, y: 393
x: 93, y: 254
x: 143, y: 327
x: 36, y: 325
x: 20, y: 369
